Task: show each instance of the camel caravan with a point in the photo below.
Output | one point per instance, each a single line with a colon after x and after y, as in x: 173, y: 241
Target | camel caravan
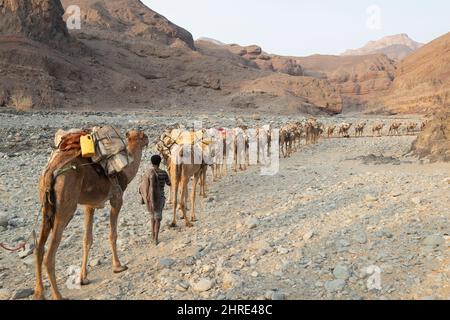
x: 92, y: 167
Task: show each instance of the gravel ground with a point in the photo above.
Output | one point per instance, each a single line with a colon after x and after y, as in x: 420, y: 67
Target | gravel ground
x: 337, y: 217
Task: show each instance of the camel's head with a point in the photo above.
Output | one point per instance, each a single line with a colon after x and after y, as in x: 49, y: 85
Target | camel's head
x: 137, y: 137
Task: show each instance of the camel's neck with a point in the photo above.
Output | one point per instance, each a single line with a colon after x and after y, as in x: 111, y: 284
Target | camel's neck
x: 132, y: 169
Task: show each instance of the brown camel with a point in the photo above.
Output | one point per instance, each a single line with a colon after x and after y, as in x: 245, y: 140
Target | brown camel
x: 330, y: 130
x: 86, y: 185
x: 359, y: 129
x: 394, y: 128
x: 181, y: 171
x: 377, y: 127
x: 411, y: 127
x: 343, y: 129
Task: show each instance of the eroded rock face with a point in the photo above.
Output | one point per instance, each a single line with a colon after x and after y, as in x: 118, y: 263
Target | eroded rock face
x: 434, y: 141
x: 422, y: 82
x: 130, y: 18
x: 38, y: 20
x: 266, y: 61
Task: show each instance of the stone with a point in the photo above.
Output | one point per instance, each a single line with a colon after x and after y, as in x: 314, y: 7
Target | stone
x: 182, y: 286
x: 278, y: 296
x: 202, y: 285
x: 230, y: 280
x: 308, y: 235
x: 341, y: 271
x: 28, y: 250
x: 255, y: 274
x: 360, y: 237
x: 251, y: 223
x: 190, y: 261
x: 370, y: 198
x: 416, y: 200
x: 5, y: 294
x: 335, y: 285
x: 268, y: 294
x: 23, y: 293
x: 166, y: 262
x: 282, y: 250
x: 3, y: 220
x: 95, y: 262
x: 433, y: 241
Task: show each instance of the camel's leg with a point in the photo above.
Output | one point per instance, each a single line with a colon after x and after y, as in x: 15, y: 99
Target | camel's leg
x: 175, y: 202
x: 39, y: 255
x: 116, y: 205
x: 87, y: 242
x: 205, y: 170
x: 62, y: 219
x: 184, y: 182
x: 193, y: 194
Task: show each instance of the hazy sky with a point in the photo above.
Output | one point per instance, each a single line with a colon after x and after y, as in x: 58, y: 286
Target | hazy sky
x: 301, y: 27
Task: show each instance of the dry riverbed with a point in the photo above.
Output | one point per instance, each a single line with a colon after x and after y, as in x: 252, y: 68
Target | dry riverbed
x: 345, y: 219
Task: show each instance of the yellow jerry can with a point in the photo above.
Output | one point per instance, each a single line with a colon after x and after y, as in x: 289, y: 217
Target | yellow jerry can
x: 87, y: 146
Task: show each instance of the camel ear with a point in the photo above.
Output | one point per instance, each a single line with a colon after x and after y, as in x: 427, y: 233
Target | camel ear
x: 128, y: 135
x: 141, y: 134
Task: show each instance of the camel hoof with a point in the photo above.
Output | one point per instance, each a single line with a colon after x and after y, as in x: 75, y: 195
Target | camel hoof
x: 120, y: 269
x: 189, y: 225
x: 173, y: 224
x: 194, y: 219
x: 38, y: 296
x: 85, y: 282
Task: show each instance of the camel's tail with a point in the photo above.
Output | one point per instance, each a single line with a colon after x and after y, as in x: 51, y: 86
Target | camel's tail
x: 48, y: 198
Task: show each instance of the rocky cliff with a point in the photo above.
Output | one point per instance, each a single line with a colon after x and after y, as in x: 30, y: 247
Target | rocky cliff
x: 422, y: 81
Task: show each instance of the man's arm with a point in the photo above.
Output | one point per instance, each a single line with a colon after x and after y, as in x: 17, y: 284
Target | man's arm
x: 168, y: 179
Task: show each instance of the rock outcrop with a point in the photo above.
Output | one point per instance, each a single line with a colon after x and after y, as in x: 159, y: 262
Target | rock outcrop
x: 267, y: 61
x: 434, y: 141
x: 359, y: 79
x: 116, y: 19
x: 39, y: 20
x: 395, y: 47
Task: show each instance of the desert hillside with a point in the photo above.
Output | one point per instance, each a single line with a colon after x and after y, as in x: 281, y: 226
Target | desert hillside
x: 422, y: 82
x: 131, y: 57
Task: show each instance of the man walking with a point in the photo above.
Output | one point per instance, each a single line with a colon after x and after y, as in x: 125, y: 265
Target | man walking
x: 152, y: 193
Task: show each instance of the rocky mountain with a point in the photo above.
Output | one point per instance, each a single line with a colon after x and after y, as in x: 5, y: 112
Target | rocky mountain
x: 119, y: 19
x: 357, y: 78
x: 38, y: 20
x: 253, y: 55
x: 422, y: 80
x: 395, y: 47
x: 127, y: 56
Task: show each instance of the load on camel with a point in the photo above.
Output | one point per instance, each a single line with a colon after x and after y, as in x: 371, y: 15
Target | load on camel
x: 71, y: 179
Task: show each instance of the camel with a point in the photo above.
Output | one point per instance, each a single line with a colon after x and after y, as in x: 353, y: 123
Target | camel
x: 286, y: 138
x: 241, y: 144
x: 376, y: 128
x: 86, y: 185
x: 343, y: 129
x: 411, y: 127
x: 359, y: 129
x: 330, y: 130
x: 393, y: 129
x: 182, y: 165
